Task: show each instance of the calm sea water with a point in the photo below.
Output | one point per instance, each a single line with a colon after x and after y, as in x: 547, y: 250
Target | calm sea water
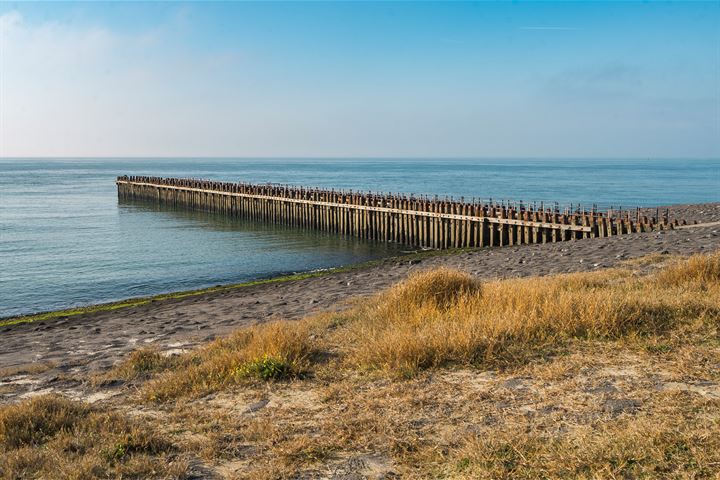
x: 65, y: 240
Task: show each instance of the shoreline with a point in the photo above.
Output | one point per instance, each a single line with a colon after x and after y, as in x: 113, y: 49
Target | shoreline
x: 705, y: 213
x: 6, y: 321
x: 67, y: 349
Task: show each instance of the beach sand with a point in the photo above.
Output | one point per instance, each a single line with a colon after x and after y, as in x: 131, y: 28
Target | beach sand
x: 53, y: 355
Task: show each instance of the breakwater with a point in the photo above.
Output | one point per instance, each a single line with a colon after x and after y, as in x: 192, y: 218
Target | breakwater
x: 416, y: 221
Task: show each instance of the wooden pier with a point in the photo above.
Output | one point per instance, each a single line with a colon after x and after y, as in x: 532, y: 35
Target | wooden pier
x: 410, y: 220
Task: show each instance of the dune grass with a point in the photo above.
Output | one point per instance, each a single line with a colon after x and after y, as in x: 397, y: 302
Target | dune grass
x: 609, y: 374
x: 140, y: 365
x: 507, y: 322
x: 53, y: 437
x: 627, y: 448
x: 443, y: 318
x: 276, y: 350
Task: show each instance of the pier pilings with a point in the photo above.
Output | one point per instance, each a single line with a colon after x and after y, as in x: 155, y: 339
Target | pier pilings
x: 415, y: 221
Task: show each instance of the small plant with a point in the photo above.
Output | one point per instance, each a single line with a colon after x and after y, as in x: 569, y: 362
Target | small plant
x: 146, y: 361
x: 659, y: 347
x: 140, y: 364
x: 266, y: 368
x: 119, y: 451
x: 462, y: 464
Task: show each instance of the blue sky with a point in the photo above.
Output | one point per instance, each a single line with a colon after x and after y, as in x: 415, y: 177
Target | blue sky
x: 571, y: 79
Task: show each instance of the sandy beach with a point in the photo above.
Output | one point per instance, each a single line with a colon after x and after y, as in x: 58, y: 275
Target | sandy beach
x: 359, y: 240
x: 70, y: 348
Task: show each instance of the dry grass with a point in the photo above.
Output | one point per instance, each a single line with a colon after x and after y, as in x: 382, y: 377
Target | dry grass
x: 696, y: 272
x: 26, y: 369
x: 440, y: 289
x: 507, y: 322
x: 139, y: 365
x: 278, y: 350
x: 52, y: 437
x: 607, y: 374
x: 463, y: 425
x: 643, y: 447
x: 444, y: 317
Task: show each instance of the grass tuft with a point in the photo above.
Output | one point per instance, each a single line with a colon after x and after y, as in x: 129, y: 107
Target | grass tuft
x: 442, y: 289
x: 38, y: 420
x: 53, y: 437
x: 277, y: 350
x: 702, y: 270
x: 144, y: 362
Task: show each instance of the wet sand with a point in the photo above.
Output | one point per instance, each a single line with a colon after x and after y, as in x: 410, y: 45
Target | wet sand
x: 77, y: 345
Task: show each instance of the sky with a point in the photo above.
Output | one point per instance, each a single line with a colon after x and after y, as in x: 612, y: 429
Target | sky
x: 360, y: 79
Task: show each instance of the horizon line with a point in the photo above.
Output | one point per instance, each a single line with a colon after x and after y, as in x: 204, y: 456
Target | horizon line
x: 351, y: 157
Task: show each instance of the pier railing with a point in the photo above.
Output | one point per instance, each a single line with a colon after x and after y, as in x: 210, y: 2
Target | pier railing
x: 410, y: 220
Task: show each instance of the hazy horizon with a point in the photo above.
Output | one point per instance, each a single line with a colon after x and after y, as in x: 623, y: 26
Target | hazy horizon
x: 350, y: 157
x: 360, y: 80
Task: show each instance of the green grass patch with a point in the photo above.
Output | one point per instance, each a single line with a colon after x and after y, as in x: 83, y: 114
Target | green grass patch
x: 266, y: 368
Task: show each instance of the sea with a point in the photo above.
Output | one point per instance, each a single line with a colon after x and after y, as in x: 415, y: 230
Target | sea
x: 66, y: 240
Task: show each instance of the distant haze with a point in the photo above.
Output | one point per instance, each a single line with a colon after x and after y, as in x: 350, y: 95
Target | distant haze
x: 360, y: 79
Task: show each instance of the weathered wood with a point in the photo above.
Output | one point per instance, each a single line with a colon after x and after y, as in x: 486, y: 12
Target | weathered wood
x: 418, y: 222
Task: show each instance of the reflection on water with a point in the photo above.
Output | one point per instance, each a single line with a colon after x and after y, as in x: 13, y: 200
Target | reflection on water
x: 148, y: 249
x: 269, y: 235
